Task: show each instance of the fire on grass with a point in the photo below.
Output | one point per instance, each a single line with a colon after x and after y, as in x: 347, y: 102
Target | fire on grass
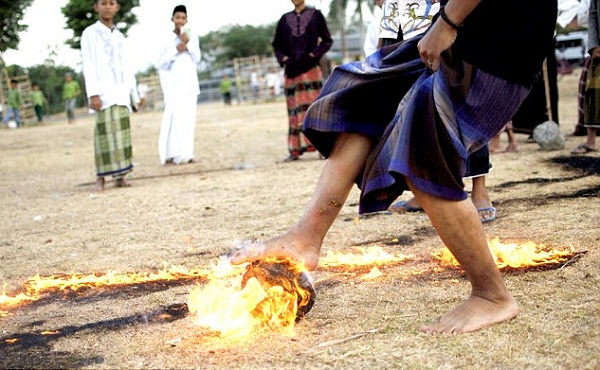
x: 37, y: 286
x: 273, y: 295
x: 518, y: 255
x: 235, y: 301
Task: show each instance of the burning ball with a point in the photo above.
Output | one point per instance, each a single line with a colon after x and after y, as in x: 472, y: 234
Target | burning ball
x: 286, y: 275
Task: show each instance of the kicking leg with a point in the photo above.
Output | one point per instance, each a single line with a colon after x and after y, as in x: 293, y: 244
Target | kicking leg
x: 304, y: 239
x: 459, y: 227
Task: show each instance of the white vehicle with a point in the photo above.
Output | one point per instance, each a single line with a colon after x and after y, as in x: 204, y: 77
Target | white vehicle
x: 572, y: 47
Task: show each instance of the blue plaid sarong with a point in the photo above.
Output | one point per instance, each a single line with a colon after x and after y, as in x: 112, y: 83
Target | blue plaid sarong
x: 424, y: 124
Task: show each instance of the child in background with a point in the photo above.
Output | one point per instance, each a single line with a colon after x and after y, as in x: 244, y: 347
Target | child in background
x: 225, y: 89
x: 71, y: 92
x: 110, y: 87
x: 39, y: 101
x: 14, y: 102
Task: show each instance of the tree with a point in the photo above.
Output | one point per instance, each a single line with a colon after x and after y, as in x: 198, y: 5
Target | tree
x: 220, y: 47
x: 80, y: 14
x: 11, y: 14
x: 337, y: 18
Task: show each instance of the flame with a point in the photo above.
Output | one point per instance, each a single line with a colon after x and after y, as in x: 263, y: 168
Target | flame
x: 35, y: 287
x: 514, y: 255
x: 362, y: 256
x: 373, y: 274
x: 235, y: 313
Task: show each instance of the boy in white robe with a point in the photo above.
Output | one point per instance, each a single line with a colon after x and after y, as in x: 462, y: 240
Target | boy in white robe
x: 179, y: 81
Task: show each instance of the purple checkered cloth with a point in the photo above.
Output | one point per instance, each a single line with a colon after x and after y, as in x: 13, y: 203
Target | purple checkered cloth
x: 424, y: 124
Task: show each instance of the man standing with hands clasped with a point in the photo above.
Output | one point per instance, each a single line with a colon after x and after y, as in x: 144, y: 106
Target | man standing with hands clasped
x: 179, y: 81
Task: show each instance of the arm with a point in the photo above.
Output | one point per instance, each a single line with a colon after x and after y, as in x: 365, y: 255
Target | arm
x: 442, y: 35
x: 193, y: 47
x: 88, y: 56
x: 325, y: 36
x: 278, y: 43
x: 167, y: 55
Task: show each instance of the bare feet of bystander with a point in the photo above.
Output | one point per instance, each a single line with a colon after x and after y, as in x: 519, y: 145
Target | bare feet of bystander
x: 121, y: 183
x: 99, y: 186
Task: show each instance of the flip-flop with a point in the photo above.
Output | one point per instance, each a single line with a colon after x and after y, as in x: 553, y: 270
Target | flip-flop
x: 487, y: 219
x: 583, y: 149
x: 403, y: 206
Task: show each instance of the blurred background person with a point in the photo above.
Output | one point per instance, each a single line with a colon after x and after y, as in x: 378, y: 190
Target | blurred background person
x: 179, y: 81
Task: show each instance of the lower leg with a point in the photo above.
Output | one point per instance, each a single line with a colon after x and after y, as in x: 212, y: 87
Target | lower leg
x: 481, y: 199
x: 591, y: 137
x: 495, y: 143
x: 460, y: 229
x: 121, y: 183
x: 304, y: 239
x: 99, y: 186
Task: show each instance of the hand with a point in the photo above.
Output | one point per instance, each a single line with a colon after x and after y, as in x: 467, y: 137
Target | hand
x: 181, y: 47
x: 185, y: 38
x: 95, y: 103
x: 438, y: 39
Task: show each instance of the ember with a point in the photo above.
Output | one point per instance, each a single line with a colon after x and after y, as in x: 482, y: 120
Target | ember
x: 514, y: 255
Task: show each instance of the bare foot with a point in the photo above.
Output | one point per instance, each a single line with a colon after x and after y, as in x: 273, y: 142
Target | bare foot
x: 121, y: 183
x: 474, y: 314
x: 290, y: 245
x: 512, y: 148
x: 99, y: 186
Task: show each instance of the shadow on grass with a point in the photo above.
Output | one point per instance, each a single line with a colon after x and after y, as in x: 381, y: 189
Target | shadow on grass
x: 34, y: 349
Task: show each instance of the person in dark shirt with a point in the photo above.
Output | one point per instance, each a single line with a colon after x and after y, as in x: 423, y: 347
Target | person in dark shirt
x: 301, y: 39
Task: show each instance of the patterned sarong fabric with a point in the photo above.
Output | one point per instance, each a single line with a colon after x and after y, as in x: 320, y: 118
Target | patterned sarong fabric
x: 300, y: 92
x: 112, y: 142
x: 591, y: 114
x: 423, y: 124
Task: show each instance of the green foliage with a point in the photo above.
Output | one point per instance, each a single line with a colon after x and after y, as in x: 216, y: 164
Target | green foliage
x: 11, y: 14
x: 220, y: 47
x: 80, y: 14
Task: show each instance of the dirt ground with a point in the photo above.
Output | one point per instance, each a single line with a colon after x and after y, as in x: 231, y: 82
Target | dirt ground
x: 238, y: 190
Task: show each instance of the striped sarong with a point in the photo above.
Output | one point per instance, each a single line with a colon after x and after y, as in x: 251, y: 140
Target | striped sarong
x: 424, y: 124
x: 300, y: 92
x: 112, y: 142
x: 591, y: 112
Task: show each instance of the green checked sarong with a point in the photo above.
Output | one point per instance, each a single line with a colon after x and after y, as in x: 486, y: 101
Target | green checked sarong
x: 112, y: 142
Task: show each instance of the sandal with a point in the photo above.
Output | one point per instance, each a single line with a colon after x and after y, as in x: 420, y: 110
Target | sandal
x: 583, y: 149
